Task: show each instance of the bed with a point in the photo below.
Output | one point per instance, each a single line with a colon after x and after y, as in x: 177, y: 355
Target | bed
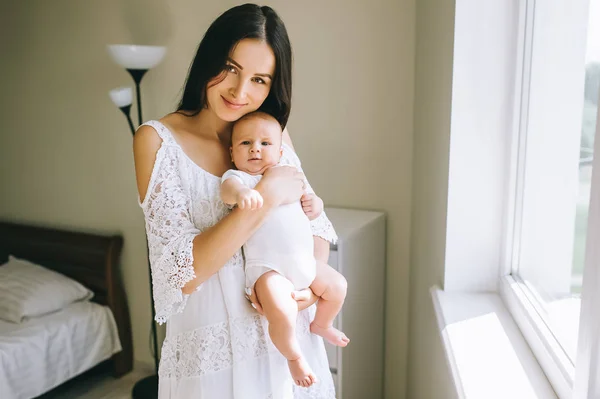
x: 46, y: 351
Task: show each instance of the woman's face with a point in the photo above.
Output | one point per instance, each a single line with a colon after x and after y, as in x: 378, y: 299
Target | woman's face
x: 245, y: 81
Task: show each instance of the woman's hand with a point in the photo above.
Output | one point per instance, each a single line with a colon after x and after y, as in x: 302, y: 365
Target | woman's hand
x: 251, y: 296
x: 281, y: 185
x: 304, y: 298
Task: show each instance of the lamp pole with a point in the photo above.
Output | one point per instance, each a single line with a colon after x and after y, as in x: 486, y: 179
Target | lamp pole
x: 137, y: 60
x: 137, y: 75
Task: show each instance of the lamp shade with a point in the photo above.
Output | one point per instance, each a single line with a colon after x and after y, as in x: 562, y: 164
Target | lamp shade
x: 122, y: 96
x: 131, y: 56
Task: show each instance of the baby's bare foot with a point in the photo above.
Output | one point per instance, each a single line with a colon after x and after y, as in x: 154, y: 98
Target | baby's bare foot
x: 331, y: 334
x: 301, y: 372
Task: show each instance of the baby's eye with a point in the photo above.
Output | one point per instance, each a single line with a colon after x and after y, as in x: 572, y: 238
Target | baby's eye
x: 265, y: 143
x: 245, y: 142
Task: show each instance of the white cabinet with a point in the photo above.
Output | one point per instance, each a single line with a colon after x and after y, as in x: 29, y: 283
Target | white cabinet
x: 360, y: 256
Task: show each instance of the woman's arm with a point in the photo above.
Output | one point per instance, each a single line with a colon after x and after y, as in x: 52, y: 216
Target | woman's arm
x: 216, y: 245
x: 321, y: 250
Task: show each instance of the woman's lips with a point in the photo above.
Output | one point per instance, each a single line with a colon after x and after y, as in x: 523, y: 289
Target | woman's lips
x: 231, y: 105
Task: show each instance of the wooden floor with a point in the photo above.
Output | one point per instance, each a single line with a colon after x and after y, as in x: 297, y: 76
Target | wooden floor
x: 100, y: 386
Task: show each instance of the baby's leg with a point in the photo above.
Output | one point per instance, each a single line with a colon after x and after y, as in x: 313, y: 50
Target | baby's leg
x: 331, y: 287
x: 274, y: 292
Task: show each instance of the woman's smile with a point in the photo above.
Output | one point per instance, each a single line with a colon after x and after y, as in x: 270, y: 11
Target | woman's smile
x: 232, y: 105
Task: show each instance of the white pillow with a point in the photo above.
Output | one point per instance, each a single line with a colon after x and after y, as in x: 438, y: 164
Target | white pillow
x: 29, y: 290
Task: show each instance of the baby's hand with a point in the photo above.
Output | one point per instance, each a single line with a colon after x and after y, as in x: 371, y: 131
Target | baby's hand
x: 249, y: 199
x: 312, y: 205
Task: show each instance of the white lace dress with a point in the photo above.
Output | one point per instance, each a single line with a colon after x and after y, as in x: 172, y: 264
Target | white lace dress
x: 216, y: 345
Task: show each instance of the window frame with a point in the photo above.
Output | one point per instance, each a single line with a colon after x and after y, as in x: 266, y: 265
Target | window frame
x: 518, y: 298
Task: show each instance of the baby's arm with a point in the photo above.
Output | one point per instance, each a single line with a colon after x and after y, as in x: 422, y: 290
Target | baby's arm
x: 234, y: 192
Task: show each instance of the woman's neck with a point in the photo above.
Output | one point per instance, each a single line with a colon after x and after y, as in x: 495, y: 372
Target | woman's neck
x: 208, y: 124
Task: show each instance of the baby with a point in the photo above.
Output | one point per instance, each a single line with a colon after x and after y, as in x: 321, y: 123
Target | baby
x: 280, y: 254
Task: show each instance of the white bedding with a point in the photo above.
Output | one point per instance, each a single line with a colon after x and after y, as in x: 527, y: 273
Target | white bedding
x: 42, y: 353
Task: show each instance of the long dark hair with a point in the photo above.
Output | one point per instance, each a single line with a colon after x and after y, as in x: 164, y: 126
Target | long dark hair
x: 247, y: 21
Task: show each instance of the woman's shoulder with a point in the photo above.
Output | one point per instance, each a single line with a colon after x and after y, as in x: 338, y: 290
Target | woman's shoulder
x: 156, y: 131
x: 149, y: 150
x: 173, y: 119
x: 146, y: 141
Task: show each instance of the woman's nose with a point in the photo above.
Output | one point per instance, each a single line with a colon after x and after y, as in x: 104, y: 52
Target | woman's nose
x: 239, y: 90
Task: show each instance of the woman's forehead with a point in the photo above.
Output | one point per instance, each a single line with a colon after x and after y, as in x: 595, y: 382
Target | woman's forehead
x: 254, y: 56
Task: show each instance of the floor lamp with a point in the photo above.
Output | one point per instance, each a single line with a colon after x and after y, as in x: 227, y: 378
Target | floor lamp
x: 137, y: 60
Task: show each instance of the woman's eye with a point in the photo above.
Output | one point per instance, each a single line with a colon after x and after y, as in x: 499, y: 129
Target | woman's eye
x: 260, y: 81
x: 230, y: 68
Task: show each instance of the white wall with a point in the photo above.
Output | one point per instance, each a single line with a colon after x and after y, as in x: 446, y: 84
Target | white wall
x: 428, y: 374
x: 65, y: 151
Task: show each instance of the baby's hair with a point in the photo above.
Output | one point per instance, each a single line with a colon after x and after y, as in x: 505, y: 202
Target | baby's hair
x: 259, y: 115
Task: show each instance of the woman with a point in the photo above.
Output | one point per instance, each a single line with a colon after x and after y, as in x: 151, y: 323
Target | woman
x: 217, y: 346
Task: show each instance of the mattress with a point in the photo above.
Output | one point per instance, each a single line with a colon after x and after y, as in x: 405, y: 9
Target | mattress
x: 42, y: 353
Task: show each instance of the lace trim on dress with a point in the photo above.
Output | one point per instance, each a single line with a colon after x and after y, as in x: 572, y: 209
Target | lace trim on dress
x: 170, y: 233
x: 162, y: 131
x: 322, y: 227
x: 314, y: 392
x: 210, y: 349
x: 218, y: 346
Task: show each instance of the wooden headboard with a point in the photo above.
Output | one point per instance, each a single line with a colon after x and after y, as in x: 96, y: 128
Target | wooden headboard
x: 88, y: 258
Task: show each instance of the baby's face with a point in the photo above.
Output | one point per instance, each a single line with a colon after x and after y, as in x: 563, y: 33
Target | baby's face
x: 256, y: 145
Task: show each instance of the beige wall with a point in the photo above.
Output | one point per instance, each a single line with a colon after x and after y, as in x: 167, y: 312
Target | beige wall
x: 65, y: 151
x: 429, y: 376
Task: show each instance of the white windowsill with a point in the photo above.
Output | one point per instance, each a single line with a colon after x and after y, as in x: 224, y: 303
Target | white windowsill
x: 486, y: 352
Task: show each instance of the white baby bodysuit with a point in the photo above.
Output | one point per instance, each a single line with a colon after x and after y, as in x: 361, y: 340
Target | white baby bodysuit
x: 284, y: 243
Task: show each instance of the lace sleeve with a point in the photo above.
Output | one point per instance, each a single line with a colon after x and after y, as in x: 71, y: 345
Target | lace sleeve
x: 321, y: 226
x: 170, y: 233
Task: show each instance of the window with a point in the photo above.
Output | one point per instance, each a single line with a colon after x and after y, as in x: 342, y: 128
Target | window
x: 549, y: 219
